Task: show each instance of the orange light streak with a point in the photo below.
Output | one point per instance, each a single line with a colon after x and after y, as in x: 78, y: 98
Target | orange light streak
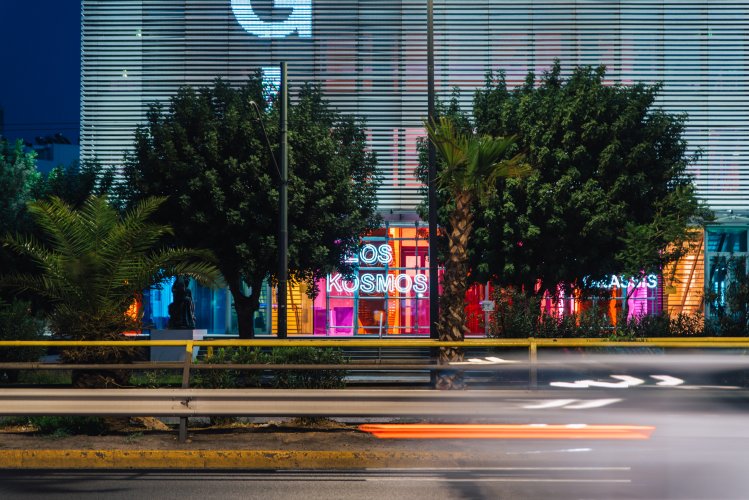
x: 506, y: 431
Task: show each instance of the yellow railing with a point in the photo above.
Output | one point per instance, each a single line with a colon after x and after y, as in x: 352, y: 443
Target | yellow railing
x: 689, y: 342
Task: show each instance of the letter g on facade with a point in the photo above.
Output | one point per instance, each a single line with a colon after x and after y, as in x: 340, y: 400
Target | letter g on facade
x: 299, y: 20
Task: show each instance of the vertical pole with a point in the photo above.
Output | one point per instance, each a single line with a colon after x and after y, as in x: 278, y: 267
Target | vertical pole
x: 434, y: 306
x: 432, y: 187
x: 533, y: 358
x: 185, y: 385
x: 486, y: 312
x: 283, y: 240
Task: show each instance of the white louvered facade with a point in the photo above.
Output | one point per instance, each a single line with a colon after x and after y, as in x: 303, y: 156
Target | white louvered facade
x: 370, y: 56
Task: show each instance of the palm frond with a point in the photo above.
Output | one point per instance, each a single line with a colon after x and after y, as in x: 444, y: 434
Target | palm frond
x: 449, y: 142
x: 28, y: 246
x: 198, y: 264
x: 37, y: 284
x: 143, y: 210
x: 96, y: 261
x: 62, y: 225
x: 472, y: 163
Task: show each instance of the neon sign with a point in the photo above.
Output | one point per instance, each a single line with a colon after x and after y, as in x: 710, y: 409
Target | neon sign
x: 378, y: 282
x: 299, y: 20
x: 649, y: 281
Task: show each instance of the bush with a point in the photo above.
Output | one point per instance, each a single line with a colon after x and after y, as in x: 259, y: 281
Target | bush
x: 689, y: 325
x: 16, y: 323
x: 516, y: 315
x: 658, y: 325
x: 282, y: 379
x: 228, y: 379
x: 519, y: 316
x: 91, y: 426
x: 61, y: 426
x: 308, y: 379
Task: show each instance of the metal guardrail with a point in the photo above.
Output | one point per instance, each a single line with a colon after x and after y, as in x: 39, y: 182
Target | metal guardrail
x: 186, y: 402
x: 253, y: 402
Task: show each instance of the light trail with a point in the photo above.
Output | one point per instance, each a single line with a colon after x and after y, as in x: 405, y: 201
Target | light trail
x: 507, y: 431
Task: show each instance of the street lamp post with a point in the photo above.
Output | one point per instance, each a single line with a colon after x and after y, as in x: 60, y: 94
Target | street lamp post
x: 434, y: 307
x: 283, y: 198
x: 283, y: 240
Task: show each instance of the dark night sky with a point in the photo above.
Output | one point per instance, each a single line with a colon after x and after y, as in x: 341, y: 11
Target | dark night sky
x: 40, y: 75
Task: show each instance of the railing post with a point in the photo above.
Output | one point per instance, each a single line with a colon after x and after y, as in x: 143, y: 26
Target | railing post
x: 533, y: 358
x: 185, y: 385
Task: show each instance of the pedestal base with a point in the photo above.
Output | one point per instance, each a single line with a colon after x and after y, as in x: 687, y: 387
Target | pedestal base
x: 167, y: 353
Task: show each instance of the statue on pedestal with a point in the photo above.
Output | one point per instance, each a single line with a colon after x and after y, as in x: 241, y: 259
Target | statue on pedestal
x: 182, y: 309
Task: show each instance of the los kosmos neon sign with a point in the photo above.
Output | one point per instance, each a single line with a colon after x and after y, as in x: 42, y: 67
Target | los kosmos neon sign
x: 380, y: 282
x: 299, y: 19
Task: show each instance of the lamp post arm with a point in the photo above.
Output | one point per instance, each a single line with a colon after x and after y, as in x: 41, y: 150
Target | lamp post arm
x: 259, y: 114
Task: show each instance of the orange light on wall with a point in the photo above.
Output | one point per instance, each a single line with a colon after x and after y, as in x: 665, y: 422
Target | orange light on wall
x: 684, y: 289
x: 135, y: 313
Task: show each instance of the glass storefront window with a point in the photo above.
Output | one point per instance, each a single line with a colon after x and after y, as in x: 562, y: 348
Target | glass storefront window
x: 731, y: 240
x: 726, y: 249
x: 388, y: 293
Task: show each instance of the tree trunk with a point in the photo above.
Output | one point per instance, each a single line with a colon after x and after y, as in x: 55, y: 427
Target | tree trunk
x: 245, y: 307
x: 452, y: 323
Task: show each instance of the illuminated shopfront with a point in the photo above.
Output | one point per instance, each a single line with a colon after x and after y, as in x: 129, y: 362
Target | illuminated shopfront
x: 387, y: 295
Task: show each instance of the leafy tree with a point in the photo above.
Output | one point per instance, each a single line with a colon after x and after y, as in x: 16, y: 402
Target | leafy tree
x: 17, y: 323
x: 93, y: 263
x: 75, y: 183
x: 609, y: 192
x: 471, y: 166
x: 18, y: 177
x: 206, y: 150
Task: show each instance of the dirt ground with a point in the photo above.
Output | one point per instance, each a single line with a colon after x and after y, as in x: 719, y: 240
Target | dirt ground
x: 271, y: 435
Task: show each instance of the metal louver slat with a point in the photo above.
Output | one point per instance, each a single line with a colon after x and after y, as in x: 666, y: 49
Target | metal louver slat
x: 370, y: 57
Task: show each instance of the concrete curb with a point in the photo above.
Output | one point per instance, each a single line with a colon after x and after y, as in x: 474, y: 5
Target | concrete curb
x: 224, y: 459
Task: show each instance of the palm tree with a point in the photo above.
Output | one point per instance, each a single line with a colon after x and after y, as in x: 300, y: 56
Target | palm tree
x: 471, y: 165
x: 93, y: 263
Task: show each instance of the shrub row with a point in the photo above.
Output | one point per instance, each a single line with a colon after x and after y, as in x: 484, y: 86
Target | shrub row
x: 520, y: 316
x: 281, y: 379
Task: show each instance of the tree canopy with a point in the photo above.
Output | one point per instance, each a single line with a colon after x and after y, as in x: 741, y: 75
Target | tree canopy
x: 18, y: 179
x: 609, y: 192
x: 206, y: 152
x: 76, y: 182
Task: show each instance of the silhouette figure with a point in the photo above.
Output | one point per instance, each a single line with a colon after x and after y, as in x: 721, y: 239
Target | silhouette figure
x: 182, y: 310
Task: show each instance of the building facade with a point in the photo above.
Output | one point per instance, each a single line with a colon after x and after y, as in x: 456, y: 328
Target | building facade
x: 370, y: 58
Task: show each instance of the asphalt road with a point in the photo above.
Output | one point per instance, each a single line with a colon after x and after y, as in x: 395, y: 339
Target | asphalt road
x: 381, y: 484
x: 690, y: 455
